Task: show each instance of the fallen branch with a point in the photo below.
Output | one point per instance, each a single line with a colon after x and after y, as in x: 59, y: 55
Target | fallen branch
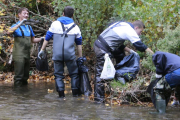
x: 2, y: 59
x: 38, y: 27
x: 133, y: 95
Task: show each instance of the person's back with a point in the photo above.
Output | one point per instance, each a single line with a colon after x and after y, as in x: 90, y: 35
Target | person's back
x: 63, y: 45
x: 64, y: 50
x: 165, y: 62
x: 116, y: 34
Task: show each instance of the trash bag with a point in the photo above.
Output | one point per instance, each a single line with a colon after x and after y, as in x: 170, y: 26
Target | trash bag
x: 108, y: 71
x: 41, y: 64
x: 127, y: 69
x: 166, y: 90
x: 85, y: 87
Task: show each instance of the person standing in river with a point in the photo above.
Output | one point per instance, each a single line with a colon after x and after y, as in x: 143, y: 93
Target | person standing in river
x: 23, y: 36
x: 111, y: 41
x: 65, y: 33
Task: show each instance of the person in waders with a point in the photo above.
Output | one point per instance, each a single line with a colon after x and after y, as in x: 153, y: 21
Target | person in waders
x: 168, y: 65
x: 23, y: 36
x: 111, y: 41
x: 65, y: 33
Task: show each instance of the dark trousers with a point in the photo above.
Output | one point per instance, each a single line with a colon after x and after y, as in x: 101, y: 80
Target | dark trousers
x: 73, y: 73
x: 99, y: 92
x: 21, y: 69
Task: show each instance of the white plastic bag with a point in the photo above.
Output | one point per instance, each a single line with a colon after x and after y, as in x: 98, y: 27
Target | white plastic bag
x: 108, y: 71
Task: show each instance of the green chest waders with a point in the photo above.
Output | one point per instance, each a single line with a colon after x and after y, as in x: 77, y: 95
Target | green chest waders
x: 21, y: 57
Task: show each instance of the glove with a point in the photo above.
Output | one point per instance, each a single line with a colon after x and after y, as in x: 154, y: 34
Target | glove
x: 42, y: 39
x: 132, y: 51
x: 158, y: 76
x: 22, y: 22
x: 41, y: 54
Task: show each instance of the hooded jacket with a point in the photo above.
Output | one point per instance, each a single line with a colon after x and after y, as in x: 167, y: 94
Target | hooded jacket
x: 63, y: 47
x: 165, y: 62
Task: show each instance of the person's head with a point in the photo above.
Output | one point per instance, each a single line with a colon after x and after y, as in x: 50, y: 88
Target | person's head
x: 68, y: 11
x: 23, y: 13
x: 138, y: 26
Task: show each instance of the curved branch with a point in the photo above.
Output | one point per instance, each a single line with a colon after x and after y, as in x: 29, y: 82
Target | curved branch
x: 2, y: 59
x: 30, y: 12
x: 37, y: 7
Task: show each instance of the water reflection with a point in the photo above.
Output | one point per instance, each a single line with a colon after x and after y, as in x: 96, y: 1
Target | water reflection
x: 34, y: 102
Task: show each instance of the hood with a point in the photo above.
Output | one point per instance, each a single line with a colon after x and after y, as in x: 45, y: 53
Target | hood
x: 157, y: 53
x: 65, y: 20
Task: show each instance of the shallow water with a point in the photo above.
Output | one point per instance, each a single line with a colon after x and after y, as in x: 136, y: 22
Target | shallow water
x: 34, y: 102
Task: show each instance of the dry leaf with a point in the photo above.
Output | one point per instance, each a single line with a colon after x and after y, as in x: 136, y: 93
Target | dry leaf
x: 50, y: 91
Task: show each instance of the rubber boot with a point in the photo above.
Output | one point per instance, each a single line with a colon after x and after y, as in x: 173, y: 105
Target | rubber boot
x: 177, y: 92
x: 75, y: 92
x: 61, y: 94
x: 160, y: 104
x: 99, y: 93
x: 25, y: 82
x: 18, y: 83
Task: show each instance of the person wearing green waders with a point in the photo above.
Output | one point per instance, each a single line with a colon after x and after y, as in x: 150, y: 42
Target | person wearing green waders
x: 23, y: 36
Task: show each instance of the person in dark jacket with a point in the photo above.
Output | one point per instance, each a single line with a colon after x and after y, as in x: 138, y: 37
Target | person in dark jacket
x: 111, y: 41
x: 168, y: 65
x: 65, y: 33
x: 23, y: 36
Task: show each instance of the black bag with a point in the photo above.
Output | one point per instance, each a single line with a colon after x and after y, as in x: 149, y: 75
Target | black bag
x: 41, y: 64
x: 166, y: 91
x: 85, y: 87
x: 128, y: 67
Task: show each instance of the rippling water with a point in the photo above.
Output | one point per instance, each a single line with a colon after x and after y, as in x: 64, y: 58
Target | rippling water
x: 34, y: 102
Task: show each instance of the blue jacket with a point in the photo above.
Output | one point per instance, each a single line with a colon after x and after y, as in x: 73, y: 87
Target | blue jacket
x: 25, y: 28
x: 165, y: 62
x: 65, y: 21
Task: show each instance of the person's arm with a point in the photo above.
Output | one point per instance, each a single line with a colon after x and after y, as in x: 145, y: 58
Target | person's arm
x: 79, y: 49
x: 78, y: 42
x: 127, y: 49
x: 11, y: 30
x: 149, y: 50
x: 35, y: 40
x: 130, y: 50
x: 44, y: 45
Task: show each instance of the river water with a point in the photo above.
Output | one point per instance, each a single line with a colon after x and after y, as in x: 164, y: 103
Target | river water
x: 37, y: 102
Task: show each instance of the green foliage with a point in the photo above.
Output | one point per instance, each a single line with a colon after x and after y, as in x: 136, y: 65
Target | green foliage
x: 156, y: 14
x: 116, y: 84
x: 171, y: 41
x: 32, y: 5
x: 135, y: 84
x: 91, y: 16
x: 147, y: 63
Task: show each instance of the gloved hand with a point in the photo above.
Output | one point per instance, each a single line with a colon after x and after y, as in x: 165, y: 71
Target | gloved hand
x: 41, y: 54
x: 158, y: 76
x: 22, y: 22
x: 132, y: 51
x: 42, y: 39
